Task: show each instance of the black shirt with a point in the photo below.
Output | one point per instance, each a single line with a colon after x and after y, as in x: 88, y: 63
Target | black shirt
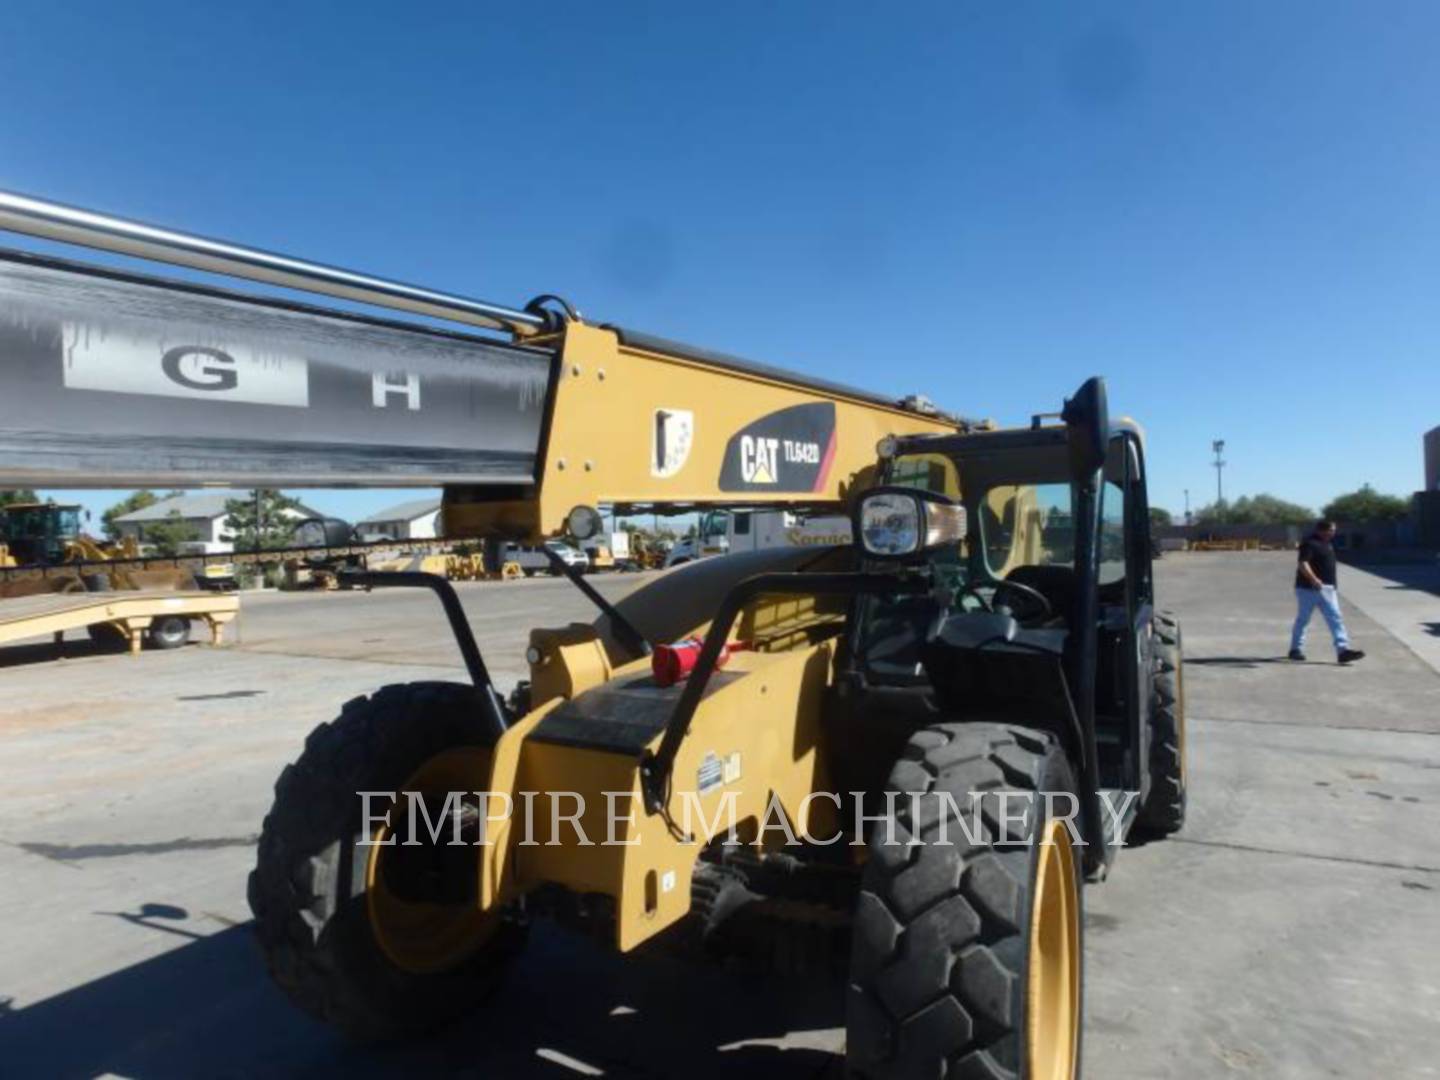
x: 1321, y: 557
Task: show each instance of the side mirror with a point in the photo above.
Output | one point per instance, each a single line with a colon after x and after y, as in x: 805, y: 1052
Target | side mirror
x: 901, y: 522
x: 1087, y: 416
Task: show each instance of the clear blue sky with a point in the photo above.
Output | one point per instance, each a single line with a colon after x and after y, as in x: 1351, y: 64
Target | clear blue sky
x: 1230, y: 209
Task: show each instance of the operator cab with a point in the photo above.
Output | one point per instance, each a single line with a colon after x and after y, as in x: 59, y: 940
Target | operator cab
x: 37, y: 533
x: 996, y: 635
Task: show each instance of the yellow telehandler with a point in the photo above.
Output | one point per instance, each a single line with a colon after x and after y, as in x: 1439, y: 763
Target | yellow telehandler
x: 892, y: 762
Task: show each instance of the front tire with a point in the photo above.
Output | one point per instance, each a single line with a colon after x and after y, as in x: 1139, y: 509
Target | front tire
x: 1163, y: 811
x: 966, y: 959
x: 317, y: 893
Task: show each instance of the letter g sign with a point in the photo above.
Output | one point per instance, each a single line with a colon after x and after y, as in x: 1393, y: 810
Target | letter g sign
x: 210, y: 369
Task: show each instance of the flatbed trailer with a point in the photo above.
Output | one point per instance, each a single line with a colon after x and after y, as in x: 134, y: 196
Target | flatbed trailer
x: 197, y: 562
x: 131, y: 613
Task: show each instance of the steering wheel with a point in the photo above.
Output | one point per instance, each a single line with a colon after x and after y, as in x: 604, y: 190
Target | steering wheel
x: 1034, y: 597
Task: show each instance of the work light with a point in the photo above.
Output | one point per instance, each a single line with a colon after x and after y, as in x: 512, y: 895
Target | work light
x: 893, y: 523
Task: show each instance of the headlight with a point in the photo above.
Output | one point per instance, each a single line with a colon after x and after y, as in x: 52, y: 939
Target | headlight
x: 583, y: 522
x: 896, y: 522
x: 890, y: 524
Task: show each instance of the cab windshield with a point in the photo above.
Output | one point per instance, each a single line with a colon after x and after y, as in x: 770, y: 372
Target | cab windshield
x: 1021, y: 515
x: 42, y: 522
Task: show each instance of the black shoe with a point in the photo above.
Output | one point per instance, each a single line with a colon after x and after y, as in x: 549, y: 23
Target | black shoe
x: 1296, y: 654
x: 1349, y: 655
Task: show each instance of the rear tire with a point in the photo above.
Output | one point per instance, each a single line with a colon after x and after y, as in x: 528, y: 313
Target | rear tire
x: 309, y: 889
x: 1163, y: 811
x: 953, y: 941
x: 169, y: 632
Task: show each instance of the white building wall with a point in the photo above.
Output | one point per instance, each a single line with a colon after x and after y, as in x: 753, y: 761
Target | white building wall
x: 423, y: 527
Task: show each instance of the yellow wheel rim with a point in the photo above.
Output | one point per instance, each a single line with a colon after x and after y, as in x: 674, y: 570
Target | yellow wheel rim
x: 418, y: 935
x: 1052, y: 1004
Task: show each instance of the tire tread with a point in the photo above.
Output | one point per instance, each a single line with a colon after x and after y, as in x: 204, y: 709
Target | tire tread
x: 938, y: 954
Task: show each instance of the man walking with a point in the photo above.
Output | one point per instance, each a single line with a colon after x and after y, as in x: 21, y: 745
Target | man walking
x: 1315, y: 587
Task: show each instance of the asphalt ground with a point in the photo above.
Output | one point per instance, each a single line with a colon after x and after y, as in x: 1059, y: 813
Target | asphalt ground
x: 1291, y: 930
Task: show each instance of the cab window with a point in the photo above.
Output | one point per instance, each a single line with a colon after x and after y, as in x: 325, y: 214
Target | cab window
x: 1112, y: 535
x: 928, y: 472
x: 1027, y: 525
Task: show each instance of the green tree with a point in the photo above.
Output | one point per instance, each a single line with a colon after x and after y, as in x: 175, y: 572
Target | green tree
x: 167, y: 535
x: 1254, y: 510
x: 1367, y: 504
x: 261, y: 520
x: 1160, y: 517
x: 136, y: 500
x: 17, y: 495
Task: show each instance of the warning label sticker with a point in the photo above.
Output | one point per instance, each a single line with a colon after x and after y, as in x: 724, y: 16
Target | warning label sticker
x: 711, y: 774
x: 716, y: 771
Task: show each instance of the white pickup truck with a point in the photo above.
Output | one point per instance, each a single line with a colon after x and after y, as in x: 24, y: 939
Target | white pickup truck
x: 533, y: 560
x: 722, y: 532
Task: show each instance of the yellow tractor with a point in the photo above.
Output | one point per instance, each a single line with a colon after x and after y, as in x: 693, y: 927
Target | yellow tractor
x: 893, y: 762
x: 50, y: 535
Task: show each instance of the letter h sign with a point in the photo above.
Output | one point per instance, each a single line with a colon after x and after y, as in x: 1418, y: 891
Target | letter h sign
x: 385, y: 383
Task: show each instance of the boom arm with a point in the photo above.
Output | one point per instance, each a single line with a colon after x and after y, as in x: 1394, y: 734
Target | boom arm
x: 118, y: 379
x: 635, y: 422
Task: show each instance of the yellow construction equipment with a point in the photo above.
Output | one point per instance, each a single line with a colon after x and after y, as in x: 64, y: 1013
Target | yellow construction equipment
x: 892, y: 761
x: 50, y: 535
x: 32, y: 532
x: 1232, y: 544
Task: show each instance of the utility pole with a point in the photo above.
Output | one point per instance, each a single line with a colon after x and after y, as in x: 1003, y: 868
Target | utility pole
x: 1219, y: 447
x: 1187, y: 506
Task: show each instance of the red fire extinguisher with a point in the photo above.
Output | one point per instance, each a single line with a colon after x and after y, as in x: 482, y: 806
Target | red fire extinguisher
x: 671, y: 663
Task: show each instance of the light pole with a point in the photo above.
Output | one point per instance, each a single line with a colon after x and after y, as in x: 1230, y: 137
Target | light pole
x: 1187, y: 506
x: 1219, y: 447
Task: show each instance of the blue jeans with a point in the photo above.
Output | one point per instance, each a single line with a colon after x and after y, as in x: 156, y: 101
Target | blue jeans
x: 1328, y: 601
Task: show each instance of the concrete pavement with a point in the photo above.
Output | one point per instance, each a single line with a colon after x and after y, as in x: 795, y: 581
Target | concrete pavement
x: 1402, y: 597
x: 1292, y: 929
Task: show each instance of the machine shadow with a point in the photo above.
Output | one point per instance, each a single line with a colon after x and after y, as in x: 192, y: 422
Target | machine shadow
x: 1235, y: 661
x: 71, y: 649
x: 570, y: 1006
x: 48, y: 652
